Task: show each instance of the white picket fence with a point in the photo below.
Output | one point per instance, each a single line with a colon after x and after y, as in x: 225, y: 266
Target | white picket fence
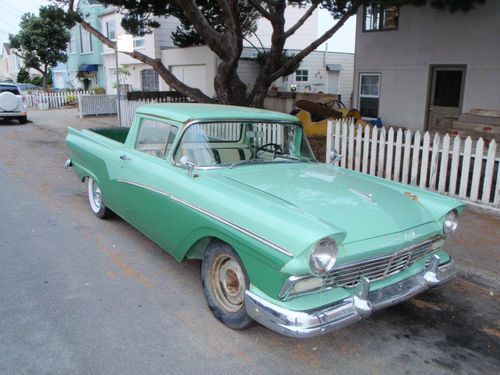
x: 95, y: 105
x: 128, y: 108
x: 51, y: 100
x: 462, y: 168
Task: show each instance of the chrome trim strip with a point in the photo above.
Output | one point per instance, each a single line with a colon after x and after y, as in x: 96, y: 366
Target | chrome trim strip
x: 212, y: 215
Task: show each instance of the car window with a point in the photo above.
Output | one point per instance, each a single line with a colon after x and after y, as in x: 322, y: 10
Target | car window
x: 155, y: 137
x: 12, y: 89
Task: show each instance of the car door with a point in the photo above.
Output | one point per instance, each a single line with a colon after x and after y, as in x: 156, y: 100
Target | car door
x: 146, y: 177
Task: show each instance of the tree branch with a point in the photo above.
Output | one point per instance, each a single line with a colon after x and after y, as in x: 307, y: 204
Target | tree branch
x: 169, y: 78
x: 285, y: 68
x: 265, y: 13
x: 303, y: 19
x: 207, y: 32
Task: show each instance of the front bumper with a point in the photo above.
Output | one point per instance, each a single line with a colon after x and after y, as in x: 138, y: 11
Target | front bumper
x: 340, y: 314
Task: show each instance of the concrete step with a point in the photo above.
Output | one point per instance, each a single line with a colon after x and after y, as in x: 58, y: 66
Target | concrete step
x: 475, y: 126
x: 468, y: 117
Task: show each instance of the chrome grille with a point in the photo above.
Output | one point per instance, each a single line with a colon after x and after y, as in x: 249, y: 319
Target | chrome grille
x: 377, y: 268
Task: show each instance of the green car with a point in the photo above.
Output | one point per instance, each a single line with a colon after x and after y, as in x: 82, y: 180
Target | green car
x: 299, y: 246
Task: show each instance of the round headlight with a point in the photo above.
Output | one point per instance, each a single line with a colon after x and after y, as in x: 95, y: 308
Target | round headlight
x: 323, y: 256
x: 450, y: 223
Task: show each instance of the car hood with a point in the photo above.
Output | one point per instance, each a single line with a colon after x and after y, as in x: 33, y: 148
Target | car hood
x: 360, y: 206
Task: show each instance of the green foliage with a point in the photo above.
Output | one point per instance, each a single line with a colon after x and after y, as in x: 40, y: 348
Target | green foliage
x: 23, y: 76
x: 42, y: 40
x: 261, y: 59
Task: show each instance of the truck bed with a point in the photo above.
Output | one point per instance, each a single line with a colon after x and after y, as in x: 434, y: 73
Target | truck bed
x: 116, y: 134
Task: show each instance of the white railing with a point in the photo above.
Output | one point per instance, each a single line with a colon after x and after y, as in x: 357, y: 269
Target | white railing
x: 51, y: 100
x: 462, y: 168
x: 95, y: 105
x: 128, y: 107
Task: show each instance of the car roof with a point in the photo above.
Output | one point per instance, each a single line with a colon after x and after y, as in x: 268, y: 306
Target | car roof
x: 183, y: 112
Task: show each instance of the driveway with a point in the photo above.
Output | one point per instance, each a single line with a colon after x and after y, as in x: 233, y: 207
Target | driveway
x: 81, y: 295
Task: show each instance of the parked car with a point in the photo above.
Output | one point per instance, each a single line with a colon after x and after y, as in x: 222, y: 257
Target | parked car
x: 299, y: 246
x: 12, y: 103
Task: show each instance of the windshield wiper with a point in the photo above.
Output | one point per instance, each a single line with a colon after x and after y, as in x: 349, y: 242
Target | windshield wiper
x: 248, y: 161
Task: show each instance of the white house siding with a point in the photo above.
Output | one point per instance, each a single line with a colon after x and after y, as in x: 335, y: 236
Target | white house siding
x: 151, y: 48
x: 427, y: 37
x: 302, y: 38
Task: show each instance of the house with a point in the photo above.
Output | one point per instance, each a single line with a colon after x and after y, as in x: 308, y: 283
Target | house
x: 133, y: 74
x: 60, y: 76
x: 417, y: 67
x: 327, y: 72
x: 85, y: 67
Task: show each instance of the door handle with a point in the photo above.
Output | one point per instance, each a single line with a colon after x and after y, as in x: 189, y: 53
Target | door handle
x: 124, y: 157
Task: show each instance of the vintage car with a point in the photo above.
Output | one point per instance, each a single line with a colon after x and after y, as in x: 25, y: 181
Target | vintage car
x: 299, y: 246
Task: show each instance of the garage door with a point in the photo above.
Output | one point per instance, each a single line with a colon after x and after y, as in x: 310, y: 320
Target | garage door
x: 191, y: 75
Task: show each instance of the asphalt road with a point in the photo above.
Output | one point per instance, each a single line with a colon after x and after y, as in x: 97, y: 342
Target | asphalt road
x: 79, y: 295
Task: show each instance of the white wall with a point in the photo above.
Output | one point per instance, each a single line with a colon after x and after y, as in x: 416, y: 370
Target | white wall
x: 430, y: 37
x: 192, y: 56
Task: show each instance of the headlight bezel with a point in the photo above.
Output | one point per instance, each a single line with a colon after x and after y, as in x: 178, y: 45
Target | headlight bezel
x: 450, y: 223
x: 320, y: 267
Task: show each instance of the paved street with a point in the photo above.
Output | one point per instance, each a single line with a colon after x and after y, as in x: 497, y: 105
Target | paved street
x: 80, y: 295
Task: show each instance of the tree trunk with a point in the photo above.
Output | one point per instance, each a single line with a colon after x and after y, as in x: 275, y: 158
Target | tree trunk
x: 45, y: 81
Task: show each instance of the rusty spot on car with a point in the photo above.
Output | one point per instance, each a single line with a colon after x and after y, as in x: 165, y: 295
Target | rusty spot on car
x: 411, y: 196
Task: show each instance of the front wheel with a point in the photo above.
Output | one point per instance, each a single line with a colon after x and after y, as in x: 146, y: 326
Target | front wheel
x: 224, y: 282
x: 95, y: 199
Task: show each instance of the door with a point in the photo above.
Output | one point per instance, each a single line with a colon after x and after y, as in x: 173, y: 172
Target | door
x: 447, y: 89
x: 333, y: 82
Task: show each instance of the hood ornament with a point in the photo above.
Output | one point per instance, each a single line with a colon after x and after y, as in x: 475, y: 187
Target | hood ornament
x: 368, y: 196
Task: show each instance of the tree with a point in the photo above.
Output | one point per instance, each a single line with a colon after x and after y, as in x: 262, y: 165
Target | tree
x: 223, y: 25
x: 42, y: 40
x: 23, y: 76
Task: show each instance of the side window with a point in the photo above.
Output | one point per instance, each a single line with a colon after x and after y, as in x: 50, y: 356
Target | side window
x: 155, y: 137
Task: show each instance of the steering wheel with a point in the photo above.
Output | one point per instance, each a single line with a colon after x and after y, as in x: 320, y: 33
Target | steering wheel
x: 277, y: 149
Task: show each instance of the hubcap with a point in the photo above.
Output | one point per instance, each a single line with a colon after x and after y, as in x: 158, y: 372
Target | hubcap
x: 96, y: 195
x: 228, y: 283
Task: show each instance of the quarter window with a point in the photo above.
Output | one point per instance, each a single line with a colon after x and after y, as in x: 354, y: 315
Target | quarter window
x: 369, y: 94
x: 301, y: 75
x: 155, y: 138
x: 380, y: 17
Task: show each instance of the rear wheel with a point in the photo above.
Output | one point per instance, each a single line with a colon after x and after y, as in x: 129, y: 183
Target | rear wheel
x: 224, y: 282
x: 22, y: 119
x: 95, y: 199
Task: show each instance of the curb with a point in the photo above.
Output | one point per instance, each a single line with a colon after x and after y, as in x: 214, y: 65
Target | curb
x: 480, y: 277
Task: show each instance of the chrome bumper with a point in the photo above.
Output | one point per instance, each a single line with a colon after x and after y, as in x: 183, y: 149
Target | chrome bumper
x: 340, y: 314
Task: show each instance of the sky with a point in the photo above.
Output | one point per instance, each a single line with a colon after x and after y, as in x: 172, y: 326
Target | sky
x: 12, y: 10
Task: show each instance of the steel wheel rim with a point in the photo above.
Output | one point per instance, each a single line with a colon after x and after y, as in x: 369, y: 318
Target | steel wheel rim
x: 228, y: 283
x: 96, y: 195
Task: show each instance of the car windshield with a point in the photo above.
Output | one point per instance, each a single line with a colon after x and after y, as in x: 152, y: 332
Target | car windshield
x: 8, y: 88
x: 237, y: 143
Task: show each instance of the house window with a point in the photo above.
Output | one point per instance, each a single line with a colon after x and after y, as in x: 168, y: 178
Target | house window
x: 111, y: 30
x: 72, y: 42
x: 380, y: 17
x: 369, y: 95
x: 86, y: 40
x: 149, y: 80
x: 139, y: 42
x: 301, y: 75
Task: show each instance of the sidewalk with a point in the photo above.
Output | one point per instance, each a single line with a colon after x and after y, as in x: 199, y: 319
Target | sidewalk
x: 475, y: 247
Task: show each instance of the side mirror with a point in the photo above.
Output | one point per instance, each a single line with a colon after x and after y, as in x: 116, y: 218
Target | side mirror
x: 335, y: 156
x: 187, y: 165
